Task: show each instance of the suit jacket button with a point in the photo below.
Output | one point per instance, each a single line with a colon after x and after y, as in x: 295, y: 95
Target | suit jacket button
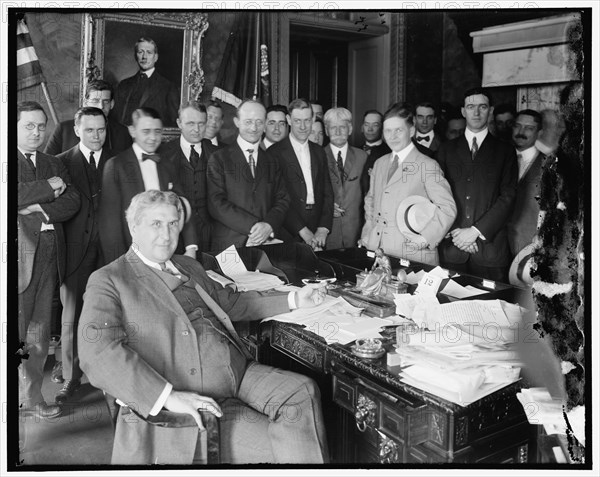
x: 468, y: 216
x: 468, y: 197
x: 185, y: 333
x: 193, y: 371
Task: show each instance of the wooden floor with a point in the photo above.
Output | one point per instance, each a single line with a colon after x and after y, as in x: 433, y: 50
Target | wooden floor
x: 83, y: 435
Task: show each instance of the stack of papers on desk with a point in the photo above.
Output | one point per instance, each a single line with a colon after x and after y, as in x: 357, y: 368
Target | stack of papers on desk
x: 455, y: 290
x: 232, y: 265
x: 336, y: 320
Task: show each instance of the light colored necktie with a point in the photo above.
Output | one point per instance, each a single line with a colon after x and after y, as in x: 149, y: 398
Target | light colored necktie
x: 393, y: 167
x: 251, y: 162
x: 474, y: 148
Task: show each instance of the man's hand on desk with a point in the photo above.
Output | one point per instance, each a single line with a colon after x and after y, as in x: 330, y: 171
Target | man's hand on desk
x: 189, y: 403
x: 310, y: 295
x: 259, y: 232
x: 307, y: 235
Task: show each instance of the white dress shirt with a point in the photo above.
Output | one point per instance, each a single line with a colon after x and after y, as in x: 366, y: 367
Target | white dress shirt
x: 481, y: 135
x: 303, y: 154
x: 525, y: 158
x: 402, y: 154
x: 244, y: 146
x: 425, y: 142
x: 186, y: 147
x: 148, y: 168
x: 373, y: 144
x: 149, y: 72
x: 86, y: 153
x: 343, y: 149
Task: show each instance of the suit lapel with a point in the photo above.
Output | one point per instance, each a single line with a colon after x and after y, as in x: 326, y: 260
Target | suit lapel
x: 131, y: 163
x: 350, y: 161
x: 79, y: 171
x: 42, y: 167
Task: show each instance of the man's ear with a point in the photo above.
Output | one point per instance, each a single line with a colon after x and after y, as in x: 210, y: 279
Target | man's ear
x: 76, y: 129
x: 131, y: 130
x: 112, y: 104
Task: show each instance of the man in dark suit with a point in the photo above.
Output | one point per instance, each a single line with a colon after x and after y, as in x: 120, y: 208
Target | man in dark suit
x: 45, y: 200
x: 304, y: 167
x: 247, y: 197
x: 147, y: 88
x: 188, y: 157
x: 374, y: 145
x: 522, y: 226
x: 482, y: 172
x: 425, y: 121
x: 345, y: 169
x: 135, y: 170
x: 84, y: 162
x: 214, y: 123
x: 98, y: 94
x: 165, y: 339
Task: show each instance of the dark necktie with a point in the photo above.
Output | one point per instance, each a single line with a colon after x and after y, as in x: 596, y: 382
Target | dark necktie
x: 28, y: 157
x: 340, y: 165
x: 152, y: 157
x: 178, y: 274
x: 251, y: 162
x: 194, y: 156
x: 474, y: 148
x: 393, y: 167
x: 366, y: 148
x: 93, y: 161
x: 422, y: 138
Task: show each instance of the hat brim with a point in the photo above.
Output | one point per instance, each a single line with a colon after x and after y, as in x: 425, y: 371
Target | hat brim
x: 412, y: 235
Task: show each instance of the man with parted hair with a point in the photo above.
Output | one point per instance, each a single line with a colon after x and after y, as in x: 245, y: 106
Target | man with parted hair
x: 147, y: 88
x: 214, y: 123
x: 374, y: 145
x: 425, y: 121
x: 45, y: 199
x: 84, y: 162
x: 304, y: 167
x: 188, y: 157
x: 135, y: 170
x: 247, y: 197
x: 403, y: 174
x: 482, y: 171
x: 98, y: 94
x: 164, y: 343
x: 276, y: 127
x: 345, y: 170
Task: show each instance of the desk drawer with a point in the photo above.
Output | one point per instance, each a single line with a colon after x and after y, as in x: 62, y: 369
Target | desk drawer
x: 298, y: 349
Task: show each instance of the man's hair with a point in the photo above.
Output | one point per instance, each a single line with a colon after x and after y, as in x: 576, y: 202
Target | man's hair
x: 145, y: 39
x: 144, y: 113
x: 505, y: 108
x: 26, y: 106
x: 191, y: 104
x: 340, y: 113
x: 400, y: 110
x: 426, y: 104
x: 87, y: 111
x: 277, y: 108
x: 478, y: 90
x: 247, y: 101
x: 214, y: 104
x: 99, y: 85
x: 537, y: 117
x: 372, y: 111
x: 148, y: 199
x: 299, y: 103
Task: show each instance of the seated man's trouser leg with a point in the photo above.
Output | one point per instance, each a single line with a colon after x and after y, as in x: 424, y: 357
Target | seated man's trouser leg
x: 292, y: 403
x: 35, y: 313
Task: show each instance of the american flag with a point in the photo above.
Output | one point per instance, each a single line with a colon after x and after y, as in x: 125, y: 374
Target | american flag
x: 29, y: 70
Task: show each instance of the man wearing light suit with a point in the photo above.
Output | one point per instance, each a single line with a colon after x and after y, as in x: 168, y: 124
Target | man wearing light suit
x: 164, y: 339
x: 346, y: 165
x: 45, y: 200
x: 482, y: 171
x: 247, y: 197
x: 402, y: 173
x: 85, y: 162
x: 135, y: 170
x: 304, y: 167
x: 188, y: 157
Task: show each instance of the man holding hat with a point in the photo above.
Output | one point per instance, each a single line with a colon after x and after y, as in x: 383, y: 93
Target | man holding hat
x: 409, y: 207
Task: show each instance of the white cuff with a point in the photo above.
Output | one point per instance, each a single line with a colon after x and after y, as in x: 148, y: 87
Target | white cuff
x: 292, y: 300
x: 162, y: 399
x: 191, y: 247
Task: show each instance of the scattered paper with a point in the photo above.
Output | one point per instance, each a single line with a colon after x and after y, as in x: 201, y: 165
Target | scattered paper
x: 429, y: 285
x: 467, y: 313
x: 439, y: 272
x: 230, y: 262
x: 542, y: 409
x: 413, y: 278
x: 406, y: 303
x: 221, y: 279
x: 456, y: 290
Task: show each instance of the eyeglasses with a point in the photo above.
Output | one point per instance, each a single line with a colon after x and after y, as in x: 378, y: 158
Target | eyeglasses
x: 32, y: 126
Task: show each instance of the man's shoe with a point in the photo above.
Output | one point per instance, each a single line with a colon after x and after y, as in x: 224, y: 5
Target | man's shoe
x: 69, y: 388
x: 56, y: 375
x: 43, y: 410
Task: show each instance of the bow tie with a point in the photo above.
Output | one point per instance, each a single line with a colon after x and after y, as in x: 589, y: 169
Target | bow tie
x: 152, y: 157
x: 422, y: 138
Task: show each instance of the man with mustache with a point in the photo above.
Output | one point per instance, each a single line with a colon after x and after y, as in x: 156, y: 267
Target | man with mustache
x: 522, y: 226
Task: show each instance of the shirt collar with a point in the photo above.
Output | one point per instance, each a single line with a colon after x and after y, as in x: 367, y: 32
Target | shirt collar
x: 297, y: 144
x: 267, y: 143
x: 149, y: 72
x: 152, y: 264
x: 481, y: 135
x: 139, y: 151
x: 186, y: 146
x: 528, y: 154
x: 373, y: 144
x: 245, y: 145
x: 86, y: 152
x: 335, y: 150
x: 428, y: 135
x: 33, y: 154
x: 403, y: 153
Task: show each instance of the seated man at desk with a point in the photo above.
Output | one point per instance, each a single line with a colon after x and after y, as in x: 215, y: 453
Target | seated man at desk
x: 156, y: 333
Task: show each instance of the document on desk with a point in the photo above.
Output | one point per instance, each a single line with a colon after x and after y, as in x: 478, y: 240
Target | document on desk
x: 230, y: 262
x: 455, y: 290
x: 467, y: 313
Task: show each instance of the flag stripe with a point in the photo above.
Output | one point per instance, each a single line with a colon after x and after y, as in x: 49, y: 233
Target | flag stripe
x: 26, y: 55
x: 226, y: 97
x: 29, y: 69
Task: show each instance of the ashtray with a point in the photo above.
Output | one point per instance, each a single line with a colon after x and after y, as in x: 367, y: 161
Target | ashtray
x: 317, y: 280
x: 369, y: 348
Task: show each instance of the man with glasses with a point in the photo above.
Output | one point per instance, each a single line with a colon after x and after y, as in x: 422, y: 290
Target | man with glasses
x: 247, y: 197
x: 98, y: 94
x: 45, y: 200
